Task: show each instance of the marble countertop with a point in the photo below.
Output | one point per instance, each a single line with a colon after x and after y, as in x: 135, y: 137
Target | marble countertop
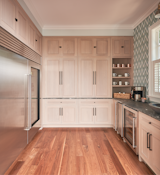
x: 141, y: 107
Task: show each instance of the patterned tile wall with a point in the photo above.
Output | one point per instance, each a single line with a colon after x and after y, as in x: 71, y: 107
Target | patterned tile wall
x: 141, y: 52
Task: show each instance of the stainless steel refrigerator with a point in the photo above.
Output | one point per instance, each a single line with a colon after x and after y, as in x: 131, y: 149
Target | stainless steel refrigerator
x: 19, y: 105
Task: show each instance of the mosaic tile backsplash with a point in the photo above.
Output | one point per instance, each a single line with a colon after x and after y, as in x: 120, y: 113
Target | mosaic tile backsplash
x: 141, y: 52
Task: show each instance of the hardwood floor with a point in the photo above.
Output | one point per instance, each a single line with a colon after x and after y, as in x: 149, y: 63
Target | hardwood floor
x: 79, y: 151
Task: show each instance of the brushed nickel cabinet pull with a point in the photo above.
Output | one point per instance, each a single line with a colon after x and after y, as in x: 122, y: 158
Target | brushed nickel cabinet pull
x: 93, y: 111
x: 59, y: 77
x: 93, y: 77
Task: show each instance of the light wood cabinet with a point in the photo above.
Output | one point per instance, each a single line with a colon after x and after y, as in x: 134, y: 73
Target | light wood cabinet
x: 95, y: 77
x: 54, y: 46
x: 22, y: 25
x: 122, y: 46
x: 60, y: 76
x: 95, y: 112
x: 60, y: 112
x: 87, y: 75
x: 150, y: 141
x: 69, y: 77
x: 14, y: 20
x: 52, y: 68
x: 93, y: 46
x: 8, y: 15
x: 103, y: 77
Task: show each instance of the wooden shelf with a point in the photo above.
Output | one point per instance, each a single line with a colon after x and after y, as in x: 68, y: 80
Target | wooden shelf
x: 122, y: 77
x: 121, y: 86
x: 121, y: 67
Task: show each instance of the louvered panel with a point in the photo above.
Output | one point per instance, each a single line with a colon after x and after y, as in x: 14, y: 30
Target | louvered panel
x: 10, y: 42
x: 157, y: 77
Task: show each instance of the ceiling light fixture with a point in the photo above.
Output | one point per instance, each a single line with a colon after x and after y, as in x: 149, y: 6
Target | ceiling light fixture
x: 157, y: 15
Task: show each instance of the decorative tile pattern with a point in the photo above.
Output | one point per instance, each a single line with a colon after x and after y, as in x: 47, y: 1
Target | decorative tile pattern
x: 141, y: 52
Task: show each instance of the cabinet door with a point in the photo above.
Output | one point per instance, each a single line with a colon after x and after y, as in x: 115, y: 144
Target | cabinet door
x: 117, y: 47
x: 52, y: 77
x: 8, y: 10
x: 155, y: 149
x: 69, y: 77
x: 103, y: 47
x: 144, y: 151
x: 126, y: 46
x: 69, y: 47
x: 38, y: 42
x: 51, y: 112
x: 102, y: 115
x: 86, y: 47
x: 22, y: 25
x: 87, y: 77
x: 53, y: 47
x: 69, y: 113
x: 103, y: 78
x: 31, y: 36
x: 86, y: 115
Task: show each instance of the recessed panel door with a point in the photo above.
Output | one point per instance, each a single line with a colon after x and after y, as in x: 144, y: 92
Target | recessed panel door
x: 127, y: 47
x: 69, y: 47
x: 103, y: 47
x: 52, y: 78
x: 8, y: 10
x: 117, y: 47
x: 87, y: 77
x: 86, y: 115
x: 102, y: 115
x: 31, y: 36
x: 69, y: 77
x: 103, y: 78
x: 38, y: 42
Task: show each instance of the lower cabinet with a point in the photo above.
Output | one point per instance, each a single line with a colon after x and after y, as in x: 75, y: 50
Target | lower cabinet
x: 59, y: 112
x: 150, y: 142
x: 95, y: 112
x: 76, y: 112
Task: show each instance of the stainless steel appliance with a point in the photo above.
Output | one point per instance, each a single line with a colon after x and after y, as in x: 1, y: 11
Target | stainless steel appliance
x: 19, y: 105
x: 119, y: 118
x: 131, y: 128
x: 137, y: 92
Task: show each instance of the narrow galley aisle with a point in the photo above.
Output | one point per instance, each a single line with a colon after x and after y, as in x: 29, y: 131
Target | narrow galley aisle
x: 78, y: 151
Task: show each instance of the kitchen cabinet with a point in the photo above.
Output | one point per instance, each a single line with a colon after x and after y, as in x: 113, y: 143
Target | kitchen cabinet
x: 60, y: 77
x: 122, y: 46
x: 15, y: 21
x: 95, y: 77
x: 59, y: 112
x: 150, y: 142
x: 95, y: 112
x: 54, y: 46
x: 38, y: 42
x: 91, y: 46
x: 8, y: 15
x: 22, y: 25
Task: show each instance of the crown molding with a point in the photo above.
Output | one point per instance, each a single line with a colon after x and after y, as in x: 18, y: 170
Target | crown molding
x: 34, y: 12
x: 143, y: 17
x: 74, y: 27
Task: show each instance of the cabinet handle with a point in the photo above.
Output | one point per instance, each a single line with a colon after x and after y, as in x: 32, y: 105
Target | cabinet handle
x: 36, y: 39
x: 150, y: 142
x: 16, y: 19
x: 60, y: 46
x: 94, y: 46
x: 147, y: 139
x: 62, y: 111
x: 93, y: 111
x: 59, y: 111
x: 59, y: 77
x: 150, y: 123
x: 122, y: 46
x: 95, y: 77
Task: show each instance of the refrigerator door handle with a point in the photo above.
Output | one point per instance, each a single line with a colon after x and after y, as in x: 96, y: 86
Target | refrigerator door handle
x: 29, y: 101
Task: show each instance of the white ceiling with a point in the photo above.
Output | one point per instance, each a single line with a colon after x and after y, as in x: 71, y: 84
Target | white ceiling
x: 90, y: 14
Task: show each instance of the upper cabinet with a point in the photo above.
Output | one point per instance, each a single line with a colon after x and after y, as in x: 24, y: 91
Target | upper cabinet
x: 14, y: 20
x: 8, y: 15
x: 54, y: 46
x: 122, y: 46
x: 93, y: 46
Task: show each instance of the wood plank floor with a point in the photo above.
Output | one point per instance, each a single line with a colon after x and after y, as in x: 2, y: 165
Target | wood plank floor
x: 79, y: 151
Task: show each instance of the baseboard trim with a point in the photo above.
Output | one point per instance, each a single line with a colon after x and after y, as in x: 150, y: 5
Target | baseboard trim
x: 78, y: 126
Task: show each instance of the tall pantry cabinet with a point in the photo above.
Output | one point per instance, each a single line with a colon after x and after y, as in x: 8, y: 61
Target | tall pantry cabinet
x: 76, y: 68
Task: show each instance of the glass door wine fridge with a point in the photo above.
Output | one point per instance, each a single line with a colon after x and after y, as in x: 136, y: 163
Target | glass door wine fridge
x: 130, y: 128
